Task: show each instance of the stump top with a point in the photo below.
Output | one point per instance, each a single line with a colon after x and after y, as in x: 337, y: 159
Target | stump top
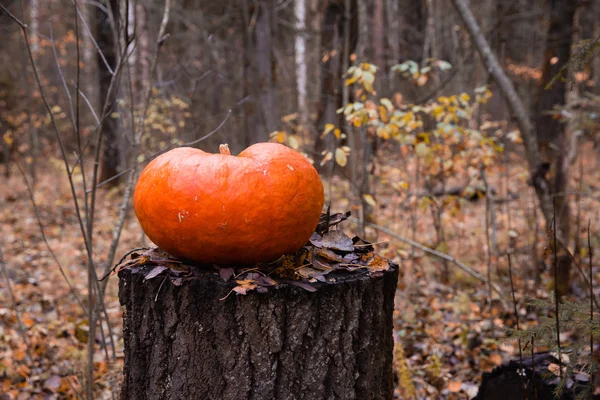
x: 330, y: 257
x: 155, y: 264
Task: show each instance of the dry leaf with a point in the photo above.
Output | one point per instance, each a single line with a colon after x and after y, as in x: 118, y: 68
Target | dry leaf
x: 454, y: 386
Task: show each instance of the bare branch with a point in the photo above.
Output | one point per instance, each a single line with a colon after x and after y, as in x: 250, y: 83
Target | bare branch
x: 45, y: 239
x: 21, y: 327
x: 436, y: 253
x: 11, y: 16
x: 514, y: 102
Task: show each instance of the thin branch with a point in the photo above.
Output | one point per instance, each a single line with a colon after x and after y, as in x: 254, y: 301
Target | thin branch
x: 11, y: 16
x: 136, y: 142
x: 167, y: 148
x: 436, y: 253
x: 591, y: 305
x: 93, y: 40
x: 21, y: 327
x: 45, y: 239
x: 556, y: 299
x: 514, y: 299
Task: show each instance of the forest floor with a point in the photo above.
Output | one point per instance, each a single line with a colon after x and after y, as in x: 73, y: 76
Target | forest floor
x: 447, y: 331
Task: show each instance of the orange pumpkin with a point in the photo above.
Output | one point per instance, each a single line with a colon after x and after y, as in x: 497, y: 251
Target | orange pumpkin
x: 222, y: 209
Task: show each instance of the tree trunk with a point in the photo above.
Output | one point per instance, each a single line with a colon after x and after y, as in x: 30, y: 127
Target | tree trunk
x: 551, y: 134
x: 183, y: 342
x: 300, y: 53
x: 332, y: 45
x: 264, y: 100
x: 537, y: 168
x: 107, y: 42
x: 378, y: 45
x: 596, y: 60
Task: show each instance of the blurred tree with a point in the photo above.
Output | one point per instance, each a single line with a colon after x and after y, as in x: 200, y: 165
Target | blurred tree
x: 552, y: 136
x: 301, y: 65
x: 261, y: 111
x: 107, y: 38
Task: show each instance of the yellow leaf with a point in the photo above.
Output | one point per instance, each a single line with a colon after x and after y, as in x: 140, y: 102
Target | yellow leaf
x: 340, y: 157
x: 337, y: 133
x: 278, y: 136
x: 369, y: 200
x: 383, y: 114
x: 8, y: 138
x: 328, y: 128
x: 351, y: 80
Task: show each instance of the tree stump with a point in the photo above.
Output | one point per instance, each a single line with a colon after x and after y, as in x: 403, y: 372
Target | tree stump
x: 183, y: 342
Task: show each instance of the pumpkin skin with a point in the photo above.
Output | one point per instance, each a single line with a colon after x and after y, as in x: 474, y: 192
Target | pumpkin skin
x: 223, y: 209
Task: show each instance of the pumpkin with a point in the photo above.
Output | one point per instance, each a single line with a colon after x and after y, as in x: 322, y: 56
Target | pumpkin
x: 223, y: 209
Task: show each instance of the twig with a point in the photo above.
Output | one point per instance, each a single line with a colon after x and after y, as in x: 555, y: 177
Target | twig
x: 136, y: 140
x: 556, y: 299
x: 487, y: 237
x: 512, y: 290
x: 371, y: 244
x: 21, y: 327
x: 120, y: 261
x: 591, y: 306
x: 167, y: 148
x: 21, y: 24
x: 160, y: 287
x: 436, y: 253
x: 45, y: 239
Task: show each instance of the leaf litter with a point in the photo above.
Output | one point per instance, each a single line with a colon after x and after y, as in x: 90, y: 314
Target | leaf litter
x: 327, y: 251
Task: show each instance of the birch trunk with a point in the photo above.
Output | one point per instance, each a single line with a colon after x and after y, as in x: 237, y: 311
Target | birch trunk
x: 300, y: 54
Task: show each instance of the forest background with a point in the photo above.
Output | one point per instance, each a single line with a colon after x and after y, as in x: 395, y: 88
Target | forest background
x: 455, y: 132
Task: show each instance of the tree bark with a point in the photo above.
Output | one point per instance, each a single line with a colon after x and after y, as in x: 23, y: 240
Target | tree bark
x: 264, y: 54
x: 182, y: 342
x: 596, y: 60
x: 551, y: 134
x: 332, y: 51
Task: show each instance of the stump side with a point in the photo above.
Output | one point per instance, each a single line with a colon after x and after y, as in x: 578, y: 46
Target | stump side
x: 335, y: 343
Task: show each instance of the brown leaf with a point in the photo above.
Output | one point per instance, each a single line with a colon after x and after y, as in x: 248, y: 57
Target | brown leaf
x: 177, y: 281
x: 378, y: 263
x: 52, y: 383
x: 454, y: 386
x: 155, y: 272
x: 265, y: 281
x: 325, y: 223
x: 329, y: 255
x: 244, y: 286
x: 335, y: 240
x: 306, y: 286
x: 226, y: 273
x: 321, y: 265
